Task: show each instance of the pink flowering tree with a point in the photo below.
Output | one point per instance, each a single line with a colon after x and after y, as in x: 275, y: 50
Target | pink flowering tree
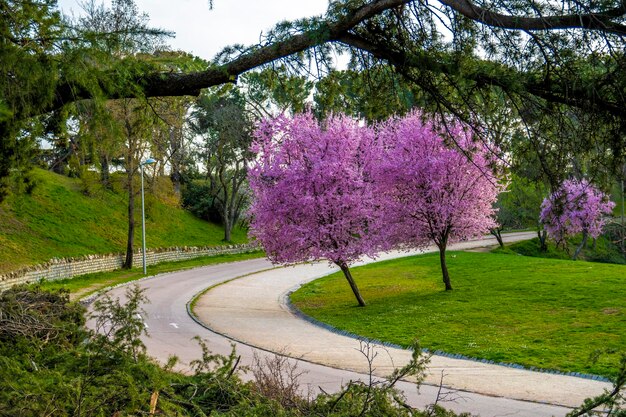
x: 435, y: 192
x: 312, y: 197
x: 575, y: 207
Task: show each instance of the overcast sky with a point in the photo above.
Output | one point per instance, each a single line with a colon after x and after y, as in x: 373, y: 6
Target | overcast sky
x: 204, y: 32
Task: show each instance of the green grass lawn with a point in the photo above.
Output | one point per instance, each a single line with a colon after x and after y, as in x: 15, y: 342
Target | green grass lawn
x: 543, y: 313
x: 58, y: 220
x: 86, y: 284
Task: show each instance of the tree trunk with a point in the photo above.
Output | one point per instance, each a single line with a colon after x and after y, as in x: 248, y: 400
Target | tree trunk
x: 176, y: 158
x: 581, y: 246
x: 498, y: 234
x: 58, y: 166
x: 175, y: 177
x: 543, y: 235
x: 105, y: 177
x: 355, y: 289
x: 444, y: 267
x: 130, y: 243
x: 228, y: 227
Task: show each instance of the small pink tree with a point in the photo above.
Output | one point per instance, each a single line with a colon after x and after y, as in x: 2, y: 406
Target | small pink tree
x: 575, y: 207
x: 312, y: 197
x: 435, y: 192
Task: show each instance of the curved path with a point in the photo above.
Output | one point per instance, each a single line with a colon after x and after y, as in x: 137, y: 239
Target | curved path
x: 251, y: 310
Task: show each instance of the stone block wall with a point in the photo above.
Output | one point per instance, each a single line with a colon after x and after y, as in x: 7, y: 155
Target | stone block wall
x: 71, y: 267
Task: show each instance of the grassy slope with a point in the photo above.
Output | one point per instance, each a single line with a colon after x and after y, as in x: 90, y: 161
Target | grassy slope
x: 507, y: 308
x: 58, y: 220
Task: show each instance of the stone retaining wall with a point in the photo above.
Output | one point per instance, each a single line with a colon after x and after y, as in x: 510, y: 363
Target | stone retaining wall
x: 71, y: 267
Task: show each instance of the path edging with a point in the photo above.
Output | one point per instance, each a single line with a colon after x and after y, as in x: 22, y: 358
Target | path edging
x: 285, y: 301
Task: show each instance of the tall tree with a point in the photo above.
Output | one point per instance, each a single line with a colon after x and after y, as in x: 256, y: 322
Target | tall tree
x: 312, y: 195
x: 112, y: 34
x: 136, y: 122
x: 226, y: 131
x: 433, y: 191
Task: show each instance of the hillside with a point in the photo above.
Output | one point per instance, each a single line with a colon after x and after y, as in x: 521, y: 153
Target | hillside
x: 58, y: 220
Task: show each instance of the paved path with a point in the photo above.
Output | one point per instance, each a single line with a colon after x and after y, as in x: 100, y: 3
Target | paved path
x: 253, y: 310
x: 172, y: 329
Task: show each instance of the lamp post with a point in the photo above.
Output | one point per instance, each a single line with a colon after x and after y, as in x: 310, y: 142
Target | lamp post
x: 148, y: 161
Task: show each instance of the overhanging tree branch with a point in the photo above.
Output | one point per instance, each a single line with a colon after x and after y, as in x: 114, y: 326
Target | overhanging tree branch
x: 602, y: 21
x: 177, y: 84
x: 488, y: 74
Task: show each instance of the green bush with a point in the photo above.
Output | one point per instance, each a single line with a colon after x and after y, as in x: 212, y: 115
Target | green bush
x: 197, y: 198
x: 50, y: 365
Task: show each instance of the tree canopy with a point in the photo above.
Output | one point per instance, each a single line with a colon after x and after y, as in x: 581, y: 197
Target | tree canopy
x: 437, y: 184
x: 576, y: 207
x: 551, y: 62
x: 312, y: 196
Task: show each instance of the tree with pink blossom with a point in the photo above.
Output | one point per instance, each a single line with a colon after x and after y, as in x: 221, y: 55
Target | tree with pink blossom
x: 435, y: 192
x: 575, y: 207
x: 312, y: 197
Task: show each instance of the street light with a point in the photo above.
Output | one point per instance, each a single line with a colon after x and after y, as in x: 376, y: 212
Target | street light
x: 148, y: 161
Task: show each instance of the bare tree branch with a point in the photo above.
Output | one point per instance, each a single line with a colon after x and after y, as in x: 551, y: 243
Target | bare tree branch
x: 602, y: 21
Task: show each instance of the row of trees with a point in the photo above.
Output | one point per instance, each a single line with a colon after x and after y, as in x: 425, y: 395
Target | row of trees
x: 59, y: 76
x: 339, y: 190
x: 195, y: 142
x: 562, y: 89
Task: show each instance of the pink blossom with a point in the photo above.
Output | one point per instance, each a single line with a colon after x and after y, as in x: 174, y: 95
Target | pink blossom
x: 576, y: 207
x: 312, y: 197
x: 340, y: 190
x: 434, y: 192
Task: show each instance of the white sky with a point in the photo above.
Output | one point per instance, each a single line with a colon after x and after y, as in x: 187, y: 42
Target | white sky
x: 204, y: 32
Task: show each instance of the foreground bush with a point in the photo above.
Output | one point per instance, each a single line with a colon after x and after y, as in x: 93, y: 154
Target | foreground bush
x: 50, y: 365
